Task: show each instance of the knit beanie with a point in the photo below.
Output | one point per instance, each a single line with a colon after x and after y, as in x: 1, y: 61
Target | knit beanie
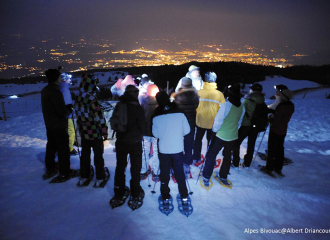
x: 186, y: 82
x: 210, y: 77
x: 162, y: 98
x: 52, y: 75
x: 256, y: 87
x: 193, y: 68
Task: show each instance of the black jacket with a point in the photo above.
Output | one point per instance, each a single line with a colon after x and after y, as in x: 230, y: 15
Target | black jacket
x: 136, y: 121
x: 187, y: 100
x: 53, y: 107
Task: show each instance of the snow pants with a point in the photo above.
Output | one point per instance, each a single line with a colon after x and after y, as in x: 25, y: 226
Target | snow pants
x: 135, y: 152
x: 243, y: 132
x: 58, y: 141
x: 200, y: 132
x: 152, y: 161
x: 175, y: 161
x: 85, y: 160
x: 189, y: 144
x: 275, y: 156
x: 215, y: 146
x: 71, y: 133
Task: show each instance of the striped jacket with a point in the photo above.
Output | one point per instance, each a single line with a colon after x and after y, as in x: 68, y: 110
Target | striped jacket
x: 90, y: 118
x: 210, y: 100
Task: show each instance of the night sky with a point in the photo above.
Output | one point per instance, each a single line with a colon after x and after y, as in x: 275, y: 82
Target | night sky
x: 301, y: 24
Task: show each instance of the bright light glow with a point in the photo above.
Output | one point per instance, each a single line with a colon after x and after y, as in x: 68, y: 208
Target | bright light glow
x: 13, y: 97
x: 154, y: 92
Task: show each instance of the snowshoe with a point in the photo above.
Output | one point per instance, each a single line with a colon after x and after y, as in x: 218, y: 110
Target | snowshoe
x: 279, y: 173
x: 201, y: 161
x: 63, y: 178
x: 217, y: 163
x: 262, y: 156
x: 205, y: 183
x: 135, y: 203
x: 287, y: 161
x: 184, y: 205
x: 155, y: 178
x: 144, y: 176
x: 118, y: 201
x: 263, y: 169
x: 102, y: 182
x: 84, y: 182
x: 165, y: 205
x: 223, y: 182
x: 49, y: 174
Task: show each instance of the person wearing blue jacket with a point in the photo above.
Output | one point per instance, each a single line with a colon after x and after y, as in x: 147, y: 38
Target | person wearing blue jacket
x: 65, y: 89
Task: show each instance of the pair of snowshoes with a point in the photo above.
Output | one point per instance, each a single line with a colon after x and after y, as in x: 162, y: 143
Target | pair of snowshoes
x: 63, y: 178
x: 207, y: 183
x: 84, y: 182
x: 184, y: 205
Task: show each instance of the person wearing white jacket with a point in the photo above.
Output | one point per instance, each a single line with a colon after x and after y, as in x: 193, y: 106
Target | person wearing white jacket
x: 170, y: 125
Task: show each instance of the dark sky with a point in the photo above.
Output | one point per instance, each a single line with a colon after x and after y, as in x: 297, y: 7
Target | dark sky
x: 303, y: 24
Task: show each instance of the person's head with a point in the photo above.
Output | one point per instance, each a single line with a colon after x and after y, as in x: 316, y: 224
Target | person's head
x: 186, y: 82
x: 285, y: 95
x: 194, y: 71
x: 234, y: 90
x: 152, y: 90
x: 279, y: 88
x: 53, y: 76
x: 210, y: 77
x: 162, y: 98
x: 255, y: 87
x: 66, y: 77
x: 132, y: 90
x: 88, y: 83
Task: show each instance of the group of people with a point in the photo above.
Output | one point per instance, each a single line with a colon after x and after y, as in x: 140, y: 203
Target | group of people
x: 164, y: 133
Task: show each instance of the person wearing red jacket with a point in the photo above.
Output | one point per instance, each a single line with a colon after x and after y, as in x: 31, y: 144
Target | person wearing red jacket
x: 279, y: 120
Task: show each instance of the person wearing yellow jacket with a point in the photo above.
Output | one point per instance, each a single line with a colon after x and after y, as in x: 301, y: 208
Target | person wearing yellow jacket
x: 210, y: 100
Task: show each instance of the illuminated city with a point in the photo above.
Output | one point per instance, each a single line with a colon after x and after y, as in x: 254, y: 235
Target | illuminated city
x: 105, y: 54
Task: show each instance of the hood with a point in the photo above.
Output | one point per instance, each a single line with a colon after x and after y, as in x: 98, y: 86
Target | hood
x: 88, y: 84
x: 128, y: 80
x: 118, y: 83
x: 126, y: 97
x: 152, y: 90
x: 210, y: 85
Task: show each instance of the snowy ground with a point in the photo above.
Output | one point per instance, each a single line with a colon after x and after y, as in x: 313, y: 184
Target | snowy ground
x: 34, y: 209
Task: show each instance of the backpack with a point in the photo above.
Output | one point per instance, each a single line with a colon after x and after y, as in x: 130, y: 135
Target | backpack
x: 259, y: 120
x: 118, y: 120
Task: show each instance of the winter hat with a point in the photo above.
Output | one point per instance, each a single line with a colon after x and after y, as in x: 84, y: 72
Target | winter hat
x: 144, y: 75
x: 152, y: 90
x: 186, y: 82
x: 52, y: 74
x: 118, y: 83
x: 280, y: 87
x: 235, y: 90
x: 193, y: 68
x: 210, y: 77
x: 88, y: 83
x: 162, y: 98
x: 256, y: 87
x: 65, y: 77
x: 286, y: 94
x: 144, y: 80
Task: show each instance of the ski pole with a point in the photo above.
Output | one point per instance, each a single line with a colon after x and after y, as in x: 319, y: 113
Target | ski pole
x: 190, y: 192
x: 202, y: 167
x: 153, y: 190
x: 259, y: 144
x: 144, y: 150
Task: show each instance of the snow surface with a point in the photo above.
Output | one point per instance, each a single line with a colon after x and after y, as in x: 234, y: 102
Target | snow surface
x: 34, y: 209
